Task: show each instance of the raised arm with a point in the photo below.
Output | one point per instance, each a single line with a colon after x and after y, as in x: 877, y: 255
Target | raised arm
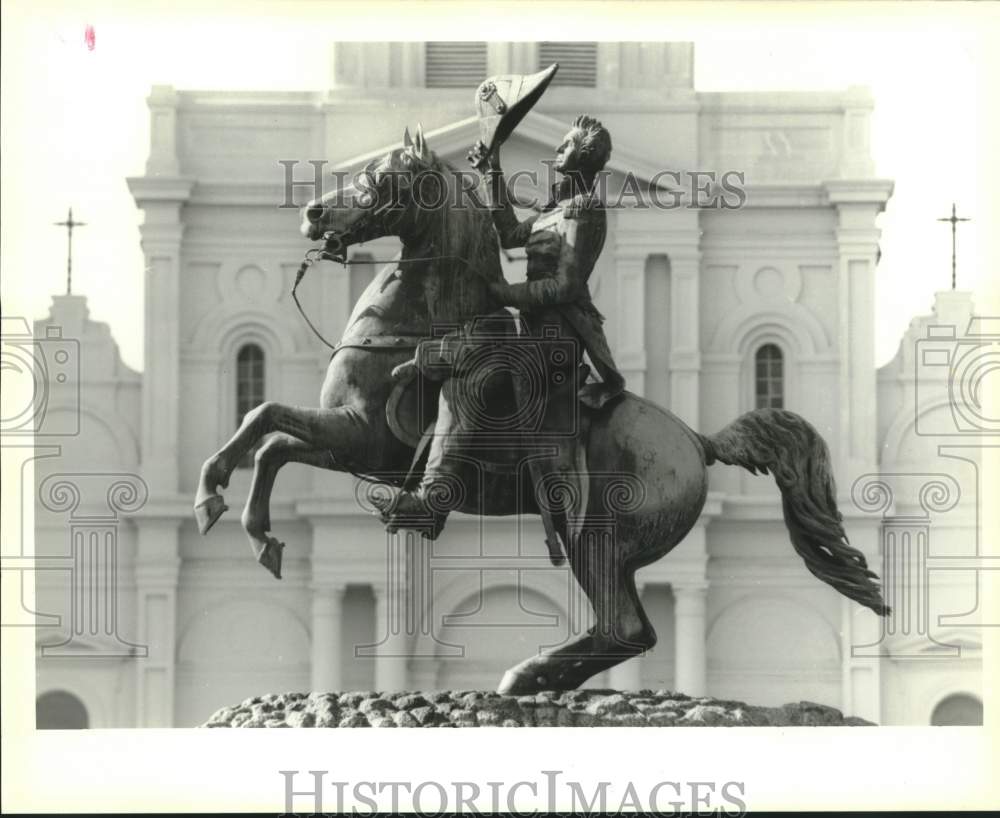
x: 511, y: 231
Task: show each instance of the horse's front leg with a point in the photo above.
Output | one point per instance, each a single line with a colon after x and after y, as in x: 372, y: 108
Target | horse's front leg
x: 275, y: 453
x: 343, y: 430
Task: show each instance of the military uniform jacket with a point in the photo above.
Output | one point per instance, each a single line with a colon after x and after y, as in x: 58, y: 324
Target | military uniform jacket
x: 562, y: 244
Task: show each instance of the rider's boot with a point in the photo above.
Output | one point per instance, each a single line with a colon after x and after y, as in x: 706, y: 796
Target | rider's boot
x: 426, y: 508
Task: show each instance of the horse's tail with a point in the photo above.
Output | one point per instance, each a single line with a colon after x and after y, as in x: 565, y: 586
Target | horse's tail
x: 786, y: 444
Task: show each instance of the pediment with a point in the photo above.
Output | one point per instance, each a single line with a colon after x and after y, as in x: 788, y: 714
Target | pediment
x: 536, y: 133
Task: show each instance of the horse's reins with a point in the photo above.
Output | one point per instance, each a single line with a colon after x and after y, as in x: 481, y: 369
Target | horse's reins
x: 331, y: 252
x: 325, y: 253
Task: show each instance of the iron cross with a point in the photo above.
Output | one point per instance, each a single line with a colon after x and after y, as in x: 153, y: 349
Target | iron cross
x: 69, y: 224
x: 954, y: 219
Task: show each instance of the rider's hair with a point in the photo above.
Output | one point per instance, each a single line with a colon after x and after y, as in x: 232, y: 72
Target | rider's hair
x: 595, y: 142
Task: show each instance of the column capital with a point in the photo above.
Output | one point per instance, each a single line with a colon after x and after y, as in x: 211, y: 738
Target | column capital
x: 160, y: 574
x: 871, y: 192
x: 685, y: 360
x: 160, y: 189
x: 634, y: 250
x: 688, y: 588
x: 331, y: 588
x: 162, y: 96
x: 712, y: 507
x: 161, y: 237
x: 685, y: 260
x: 380, y: 587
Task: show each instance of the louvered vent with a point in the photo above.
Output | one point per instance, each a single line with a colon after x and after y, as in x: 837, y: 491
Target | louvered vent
x: 577, y: 63
x: 455, y: 64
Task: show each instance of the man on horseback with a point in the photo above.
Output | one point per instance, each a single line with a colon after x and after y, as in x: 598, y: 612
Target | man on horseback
x: 647, y: 467
x: 562, y: 244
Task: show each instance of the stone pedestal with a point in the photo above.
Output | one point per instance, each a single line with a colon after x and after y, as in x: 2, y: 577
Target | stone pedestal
x: 574, y: 708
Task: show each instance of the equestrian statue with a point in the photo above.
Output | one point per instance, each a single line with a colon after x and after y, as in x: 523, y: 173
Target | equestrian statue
x: 454, y: 390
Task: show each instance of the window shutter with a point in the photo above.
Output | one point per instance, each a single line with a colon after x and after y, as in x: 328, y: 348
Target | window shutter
x: 577, y: 63
x: 454, y: 64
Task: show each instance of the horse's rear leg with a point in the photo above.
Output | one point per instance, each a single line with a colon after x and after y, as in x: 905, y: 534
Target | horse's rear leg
x: 621, y: 630
x: 342, y: 430
x: 278, y: 450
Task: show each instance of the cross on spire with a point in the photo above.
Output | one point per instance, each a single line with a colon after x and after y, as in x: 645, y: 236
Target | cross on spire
x: 954, y: 219
x: 69, y: 224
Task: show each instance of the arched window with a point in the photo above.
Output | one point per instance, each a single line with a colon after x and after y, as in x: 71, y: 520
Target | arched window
x: 249, y: 386
x: 959, y: 709
x: 60, y: 710
x: 769, y: 378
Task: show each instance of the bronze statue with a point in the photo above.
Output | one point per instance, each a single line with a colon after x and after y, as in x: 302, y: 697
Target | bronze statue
x: 621, y: 465
x: 562, y: 244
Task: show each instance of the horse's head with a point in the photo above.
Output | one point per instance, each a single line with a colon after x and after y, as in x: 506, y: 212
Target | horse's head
x: 381, y: 201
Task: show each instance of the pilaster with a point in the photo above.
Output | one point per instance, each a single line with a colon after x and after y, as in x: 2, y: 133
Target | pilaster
x: 162, y: 200
x: 157, y: 569
x: 690, y: 617
x: 685, y: 308
x: 630, y: 261
x: 327, y: 647
x: 392, y: 653
x: 686, y: 571
x: 858, y: 203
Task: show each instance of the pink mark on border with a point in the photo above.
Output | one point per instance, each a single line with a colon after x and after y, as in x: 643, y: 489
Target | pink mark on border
x: 90, y: 38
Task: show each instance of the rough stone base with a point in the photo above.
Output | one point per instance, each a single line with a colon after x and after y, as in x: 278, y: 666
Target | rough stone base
x: 474, y: 708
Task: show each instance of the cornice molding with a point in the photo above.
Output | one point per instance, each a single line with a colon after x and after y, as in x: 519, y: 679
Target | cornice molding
x: 160, y: 188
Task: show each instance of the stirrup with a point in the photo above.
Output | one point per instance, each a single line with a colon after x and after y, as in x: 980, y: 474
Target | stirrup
x: 407, y: 510
x: 557, y: 554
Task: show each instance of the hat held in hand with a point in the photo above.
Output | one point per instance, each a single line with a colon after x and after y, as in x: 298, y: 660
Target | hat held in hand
x: 503, y: 100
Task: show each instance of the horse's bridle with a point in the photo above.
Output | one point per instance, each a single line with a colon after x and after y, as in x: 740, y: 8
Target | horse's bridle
x: 335, y: 245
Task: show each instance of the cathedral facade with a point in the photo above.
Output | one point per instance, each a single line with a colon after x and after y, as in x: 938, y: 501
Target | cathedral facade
x: 711, y: 311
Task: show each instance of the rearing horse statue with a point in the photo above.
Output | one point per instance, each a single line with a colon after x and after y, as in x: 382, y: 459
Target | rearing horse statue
x: 648, y: 470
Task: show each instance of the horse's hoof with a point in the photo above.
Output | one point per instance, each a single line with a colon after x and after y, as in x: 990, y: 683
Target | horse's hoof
x: 270, y: 556
x: 208, y: 511
x: 520, y: 683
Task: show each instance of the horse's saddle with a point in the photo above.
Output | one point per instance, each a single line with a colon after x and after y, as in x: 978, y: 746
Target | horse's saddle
x: 518, y: 408
x: 411, y: 408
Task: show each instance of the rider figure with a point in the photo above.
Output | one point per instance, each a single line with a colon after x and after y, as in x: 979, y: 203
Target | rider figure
x: 562, y: 244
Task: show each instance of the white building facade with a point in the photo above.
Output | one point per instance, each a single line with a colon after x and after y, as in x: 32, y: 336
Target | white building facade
x: 711, y: 312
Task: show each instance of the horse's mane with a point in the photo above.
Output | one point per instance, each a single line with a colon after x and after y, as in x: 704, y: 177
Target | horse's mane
x: 463, y: 235
x: 466, y: 229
